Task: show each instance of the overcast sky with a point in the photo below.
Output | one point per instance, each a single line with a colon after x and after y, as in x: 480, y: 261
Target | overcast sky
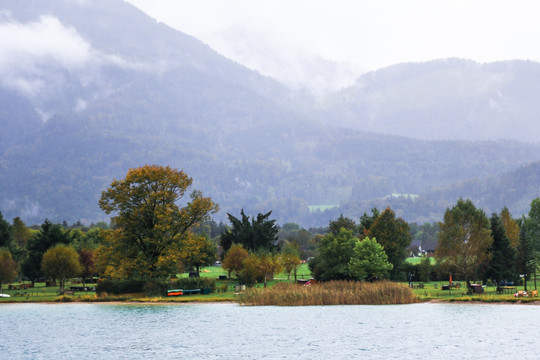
x: 366, y: 34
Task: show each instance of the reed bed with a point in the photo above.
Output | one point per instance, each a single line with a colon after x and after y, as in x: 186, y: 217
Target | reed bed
x: 331, y: 293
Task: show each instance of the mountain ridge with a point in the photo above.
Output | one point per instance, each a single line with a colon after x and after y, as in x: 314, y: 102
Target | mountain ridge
x: 445, y: 99
x: 247, y: 141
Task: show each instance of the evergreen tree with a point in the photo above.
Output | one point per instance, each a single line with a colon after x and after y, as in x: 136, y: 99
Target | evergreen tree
x: 335, y: 226
x: 48, y: 236
x: 366, y: 221
x: 258, y: 234
x: 6, y: 234
x: 501, y: 266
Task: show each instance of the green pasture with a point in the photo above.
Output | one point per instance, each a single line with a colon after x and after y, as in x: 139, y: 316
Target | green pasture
x: 214, y: 272
x: 417, y: 260
x: 433, y: 291
x: 225, y: 291
x: 42, y: 293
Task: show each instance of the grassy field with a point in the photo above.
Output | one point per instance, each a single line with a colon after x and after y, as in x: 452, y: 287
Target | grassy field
x: 417, y: 260
x: 433, y: 291
x: 42, y: 293
x: 225, y: 291
x: 215, y: 271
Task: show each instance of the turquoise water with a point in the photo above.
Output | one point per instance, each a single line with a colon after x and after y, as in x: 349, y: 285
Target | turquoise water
x: 228, y: 331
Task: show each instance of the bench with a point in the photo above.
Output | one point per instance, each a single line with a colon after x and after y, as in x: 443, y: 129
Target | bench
x: 192, y: 291
x: 506, y: 290
x: 67, y: 292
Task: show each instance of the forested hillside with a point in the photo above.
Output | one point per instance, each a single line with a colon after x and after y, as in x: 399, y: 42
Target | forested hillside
x: 142, y: 93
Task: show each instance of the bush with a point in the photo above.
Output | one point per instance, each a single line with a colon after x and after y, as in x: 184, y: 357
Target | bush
x: 195, y: 283
x: 154, y: 288
x: 64, y: 299
x: 118, y: 287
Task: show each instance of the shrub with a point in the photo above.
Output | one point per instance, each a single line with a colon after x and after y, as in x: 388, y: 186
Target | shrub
x: 154, y: 288
x: 195, y: 283
x: 117, y: 287
x: 64, y: 299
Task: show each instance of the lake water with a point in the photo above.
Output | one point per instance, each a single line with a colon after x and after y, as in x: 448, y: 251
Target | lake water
x: 229, y: 331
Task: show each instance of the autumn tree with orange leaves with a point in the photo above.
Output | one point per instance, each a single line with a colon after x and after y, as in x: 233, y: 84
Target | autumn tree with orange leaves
x: 152, y: 217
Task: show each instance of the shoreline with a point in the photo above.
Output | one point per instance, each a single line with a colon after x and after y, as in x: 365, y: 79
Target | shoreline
x: 480, y: 302
x: 229, y: 302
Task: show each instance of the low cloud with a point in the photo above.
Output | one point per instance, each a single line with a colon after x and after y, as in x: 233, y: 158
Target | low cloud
x: 41, y: 60
x: 24, y: 208
x: 28, y: 51
x: 24, y: 45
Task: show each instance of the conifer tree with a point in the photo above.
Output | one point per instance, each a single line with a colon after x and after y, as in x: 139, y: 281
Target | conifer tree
x: 501, y: 266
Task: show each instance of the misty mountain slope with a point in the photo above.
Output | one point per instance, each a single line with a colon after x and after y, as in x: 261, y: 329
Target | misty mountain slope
x: 77, y: 52
x: 137, y: 92
x: 445, y: 99
x: 18, y: 119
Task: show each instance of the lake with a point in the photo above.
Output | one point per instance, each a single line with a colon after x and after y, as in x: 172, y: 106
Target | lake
x: 229, y: 331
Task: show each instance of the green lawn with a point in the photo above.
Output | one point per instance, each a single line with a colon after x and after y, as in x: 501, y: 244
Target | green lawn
x: 433, y: 291
x: 417, y: 260
x: 42, y: 293
x: 225, y: 291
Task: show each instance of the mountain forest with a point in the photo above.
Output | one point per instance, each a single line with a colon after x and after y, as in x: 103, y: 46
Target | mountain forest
x: 414, y: 137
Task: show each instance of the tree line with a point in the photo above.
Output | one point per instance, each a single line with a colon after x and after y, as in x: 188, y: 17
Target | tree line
x: 159, y: 228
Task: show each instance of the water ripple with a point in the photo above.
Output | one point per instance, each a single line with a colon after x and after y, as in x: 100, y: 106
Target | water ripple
x: 227, y: 331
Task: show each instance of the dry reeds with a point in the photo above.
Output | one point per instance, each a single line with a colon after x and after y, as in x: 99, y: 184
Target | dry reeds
x: 331, y: 293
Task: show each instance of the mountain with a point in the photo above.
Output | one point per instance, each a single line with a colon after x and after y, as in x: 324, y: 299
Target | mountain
x: 91, y: 89
x: 449, y: 99
x: 513, y: 189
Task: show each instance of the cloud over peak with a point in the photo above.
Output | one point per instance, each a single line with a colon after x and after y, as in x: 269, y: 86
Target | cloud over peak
x: 44, y: 40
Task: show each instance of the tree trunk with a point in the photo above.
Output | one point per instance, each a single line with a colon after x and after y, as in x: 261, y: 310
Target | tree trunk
x: 534, y: 276
x: 469, y: 289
